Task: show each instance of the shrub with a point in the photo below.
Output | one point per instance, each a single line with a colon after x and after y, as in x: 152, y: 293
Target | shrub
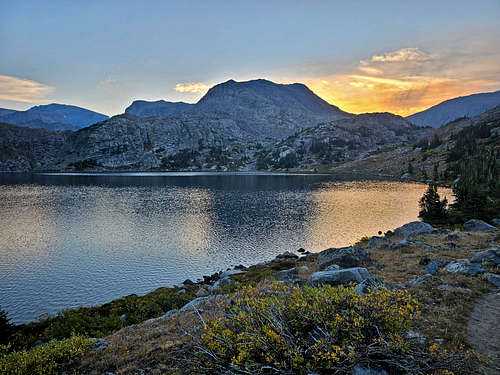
x: 44, y: 359
x: 298, y: 330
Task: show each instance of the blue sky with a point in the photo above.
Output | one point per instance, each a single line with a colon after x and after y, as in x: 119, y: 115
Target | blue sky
x: 361, y: 55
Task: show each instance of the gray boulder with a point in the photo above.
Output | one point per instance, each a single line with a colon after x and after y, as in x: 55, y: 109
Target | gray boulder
x: 169, y: 313
x: 419, y: 280
x: 181, y: 291
x: 464, y: 266
x: 432, y: 267
x: 219, y: 284
x: 344, y: 276
x: 412, y: 229
x: 476, y: 225
x: 496, y: 222
x: 332, y: 267
x: 289, y: 276
x: 378, y: 242
x: 491, y: 256
x: 368, y: 285
x: 202, y: 292
x: 493, y: 278
x: 198, y: 303
x: 344, y: 257
x: 99, y: 344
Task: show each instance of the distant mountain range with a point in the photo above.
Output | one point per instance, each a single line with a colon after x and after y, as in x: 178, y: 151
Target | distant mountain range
x: 52, y: 117
x: 234, y: 126
x: 452, y: 109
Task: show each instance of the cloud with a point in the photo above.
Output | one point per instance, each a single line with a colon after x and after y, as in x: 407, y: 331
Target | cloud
x: 192, y: 87
x: 409, y: 80
x: 405, y: 54
x: 22, y: 90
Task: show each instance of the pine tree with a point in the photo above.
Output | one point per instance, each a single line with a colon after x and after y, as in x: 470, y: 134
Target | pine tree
x: 6, y: 328
x: 432, y: 208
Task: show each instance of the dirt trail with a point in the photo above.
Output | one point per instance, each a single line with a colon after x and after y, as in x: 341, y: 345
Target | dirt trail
x: 484, y: 329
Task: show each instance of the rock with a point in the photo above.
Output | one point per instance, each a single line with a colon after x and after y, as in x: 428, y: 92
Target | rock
x: 344, y: 276
x: 412, y: 229
x: 344, y: 257
x: 202, y: 292
x: 301, y: 250
x: 230, y: 273
x: 361, y: 369
x: 368, y: 285
x: 493, y: 279
x: 240, y: 267
x: 181, y: 291
x: 287, y: 255
x: 406, y: 243
x: 303, y: 268
x: 496, y: 222
x: 464, y: 266
x: 452, y: 237
x: 432, y: 268
x: 169, y: 313
x: 491, y: 256
x: 419, y: 280
x: 123, y: 318
x: 188, y: 282
x: 451, y: 245
x: 197, y: 303
x: 476, y: 225
x: 378, y: 242
x: 289, y: 276
x: 332, y: 267
x: 219, y: 284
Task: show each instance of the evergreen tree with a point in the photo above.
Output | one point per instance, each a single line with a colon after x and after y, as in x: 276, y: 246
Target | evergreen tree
x: 432, y: 208
x: 6, y: 328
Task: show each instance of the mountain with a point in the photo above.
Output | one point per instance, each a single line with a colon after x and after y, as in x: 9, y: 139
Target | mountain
x: 52, y: 117
x: 157, y: 108
x: 452, y: 109
x: 259, y: 108
x: 266, y: 109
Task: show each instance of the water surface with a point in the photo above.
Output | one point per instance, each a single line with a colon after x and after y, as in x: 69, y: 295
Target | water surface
x: 71, y: 239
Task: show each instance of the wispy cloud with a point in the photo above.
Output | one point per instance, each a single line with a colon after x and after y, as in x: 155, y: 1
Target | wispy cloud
x: 193, y: 87
x: 404, y: 54
x: 22, y: 90
x: 408, y: 80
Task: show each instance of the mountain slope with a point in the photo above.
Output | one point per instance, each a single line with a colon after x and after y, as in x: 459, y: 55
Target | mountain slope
x: 53, y: 117
x: 157, y: 108
x: 266, y: 109
x: 452, y: 109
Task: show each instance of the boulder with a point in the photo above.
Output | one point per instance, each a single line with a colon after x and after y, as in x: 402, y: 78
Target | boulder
x: 368, y: 285
x: 464, y: 266
x: 202, y: 292
x: 230, y: 273
x: 476, y: 225
x: 332, y: 267
x: 493, y: 278
x: 344, y: 276
x: 220, y: 283
x: 496, y: 222
x: 197, y: 303
x: 99, y: 344
x: 378, y: 243
x: 181, y: 291
x: 288, y: 276
x: 188, y: 282
x: 419, y: 280
x: 415, y: 336
x: 432, y: 267
x: 412, y: 229
x: 491, y: 256
x: 344, y: 257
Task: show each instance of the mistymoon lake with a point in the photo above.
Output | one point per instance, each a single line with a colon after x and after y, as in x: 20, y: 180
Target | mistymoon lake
x: 69, y: 240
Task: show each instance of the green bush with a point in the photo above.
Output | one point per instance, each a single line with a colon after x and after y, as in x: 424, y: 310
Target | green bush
x: 44, y: 359
x: 299, y: 330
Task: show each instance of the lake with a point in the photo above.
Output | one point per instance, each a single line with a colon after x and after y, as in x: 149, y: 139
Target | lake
x: 85, y: 239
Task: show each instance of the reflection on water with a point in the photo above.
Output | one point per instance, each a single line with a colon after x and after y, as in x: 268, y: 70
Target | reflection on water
x: 69, y: 240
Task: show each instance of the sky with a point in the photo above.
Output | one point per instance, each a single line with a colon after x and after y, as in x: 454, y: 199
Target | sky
x: 363, y: 56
